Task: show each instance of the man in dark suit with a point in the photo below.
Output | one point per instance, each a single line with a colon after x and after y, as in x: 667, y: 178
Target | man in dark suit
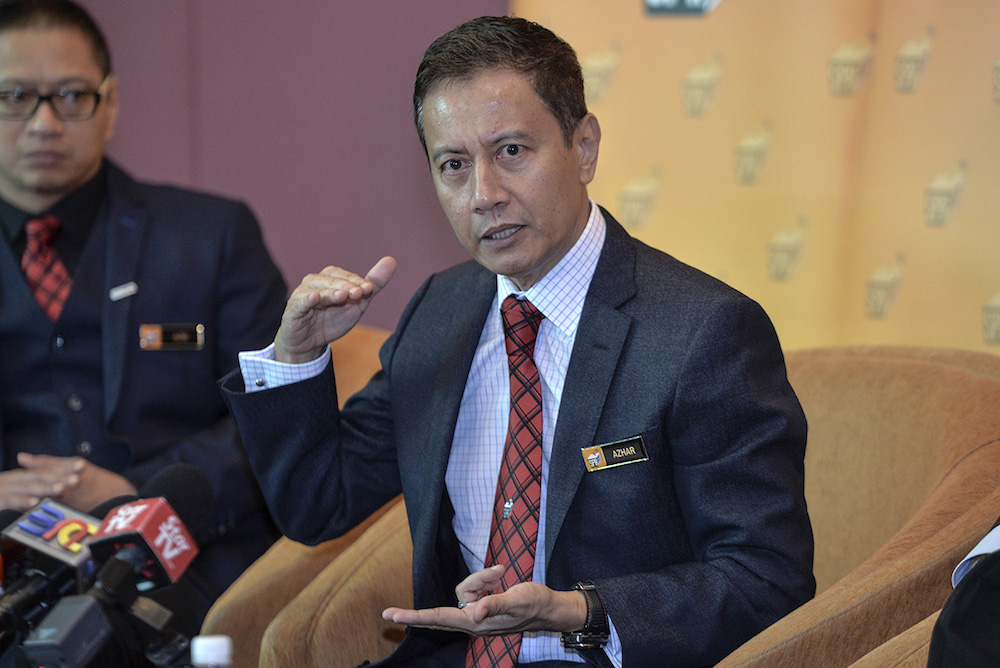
x: 965, y: 632
x: 663, y: 522
x: 112, y: 376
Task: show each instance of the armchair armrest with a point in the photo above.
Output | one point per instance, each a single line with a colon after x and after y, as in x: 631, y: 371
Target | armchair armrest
x: 245, y: 610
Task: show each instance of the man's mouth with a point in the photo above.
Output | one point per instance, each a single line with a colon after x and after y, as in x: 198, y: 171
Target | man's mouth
x: 502, y: 234
x: 44, y: 157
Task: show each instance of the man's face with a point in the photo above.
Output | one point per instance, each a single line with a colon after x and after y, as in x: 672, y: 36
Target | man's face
x: 43, y: 159
x: 515, y: 193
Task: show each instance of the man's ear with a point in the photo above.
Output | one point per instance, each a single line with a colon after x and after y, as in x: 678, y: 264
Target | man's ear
x: 111, y: 100
x: 587, y: 141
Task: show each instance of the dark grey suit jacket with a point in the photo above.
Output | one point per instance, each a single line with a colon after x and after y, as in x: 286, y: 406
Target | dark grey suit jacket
x: 692, y: 552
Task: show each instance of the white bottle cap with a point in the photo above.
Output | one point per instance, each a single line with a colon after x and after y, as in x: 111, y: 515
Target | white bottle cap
x: 211, y: 650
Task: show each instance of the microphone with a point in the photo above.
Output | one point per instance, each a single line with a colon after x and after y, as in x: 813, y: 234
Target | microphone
x: 141, y: 544
x: 152, y: 524
x: 78, y: 628
x: 189, y: 491
x: 45, y: 558
x: 7, y: 517
x: 101, y: 510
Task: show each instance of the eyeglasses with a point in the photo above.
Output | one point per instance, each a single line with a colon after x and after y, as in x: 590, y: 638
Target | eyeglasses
x: 69, y: 103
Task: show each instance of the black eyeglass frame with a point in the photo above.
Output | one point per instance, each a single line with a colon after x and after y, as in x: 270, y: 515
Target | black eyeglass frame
x: 99, y: 94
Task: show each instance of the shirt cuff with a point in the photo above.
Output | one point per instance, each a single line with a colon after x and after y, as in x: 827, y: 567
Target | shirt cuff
x: 614, y: 647
x: 989, y: 543
x: 262, y: 372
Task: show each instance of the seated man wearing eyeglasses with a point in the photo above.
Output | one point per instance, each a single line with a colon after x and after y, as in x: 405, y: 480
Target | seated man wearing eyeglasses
x: 120, y: 302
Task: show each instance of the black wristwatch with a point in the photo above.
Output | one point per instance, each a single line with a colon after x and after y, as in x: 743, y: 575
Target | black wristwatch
x: 595, y: 633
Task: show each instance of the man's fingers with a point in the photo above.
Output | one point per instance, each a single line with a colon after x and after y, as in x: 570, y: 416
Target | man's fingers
x: 21, y: 489
x: 476, y: 585
x: 19, y: 502
x: 477, y: 619
x: 436, y: 618
x: 332, y: 279
x: 490, y: 606
x: 57, y: 465
x: 380, y: 275
x: 334, y: 286
x: 324, y: 307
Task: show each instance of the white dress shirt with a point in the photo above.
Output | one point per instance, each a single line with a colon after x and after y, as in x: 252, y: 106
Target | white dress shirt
x: 989, y: 543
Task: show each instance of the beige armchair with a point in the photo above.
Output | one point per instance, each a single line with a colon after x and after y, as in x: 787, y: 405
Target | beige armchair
x: 902, y: 473
x: 902, y: 479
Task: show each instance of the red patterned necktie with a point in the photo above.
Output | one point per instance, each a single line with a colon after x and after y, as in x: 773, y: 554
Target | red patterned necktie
x: 45, y: 273
x: 514, y: 529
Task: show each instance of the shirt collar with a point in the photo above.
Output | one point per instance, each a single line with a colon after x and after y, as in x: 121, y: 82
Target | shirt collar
x: 77, y: 212
x: 560, y: 293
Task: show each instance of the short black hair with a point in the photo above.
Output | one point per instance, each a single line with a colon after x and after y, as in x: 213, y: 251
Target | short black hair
x: 504, y: 42
x: 22, y: 14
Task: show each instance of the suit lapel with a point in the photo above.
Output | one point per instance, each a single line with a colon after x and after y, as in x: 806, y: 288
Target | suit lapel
x: 459, y: 337
x: 600, y: 337
x: 456, y: 323
x: 124, y: 222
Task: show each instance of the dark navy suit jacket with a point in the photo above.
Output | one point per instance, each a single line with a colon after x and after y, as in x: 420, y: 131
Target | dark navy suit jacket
x: 193, y: 258
x: 692, y: 551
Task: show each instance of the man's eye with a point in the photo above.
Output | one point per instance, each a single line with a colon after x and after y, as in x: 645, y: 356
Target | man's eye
x: 511, y: 149
x: 71, y: 95
x: 14, y: 94
x: 453, y: 165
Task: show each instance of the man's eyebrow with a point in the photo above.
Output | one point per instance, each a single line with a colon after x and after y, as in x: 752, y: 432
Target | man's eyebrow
x: 67, y: 81
x: 443, y: 151
x: 510, y: 136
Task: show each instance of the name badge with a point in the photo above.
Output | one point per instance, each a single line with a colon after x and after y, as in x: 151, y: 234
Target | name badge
x: 609, y: 455
x: 172, y: 337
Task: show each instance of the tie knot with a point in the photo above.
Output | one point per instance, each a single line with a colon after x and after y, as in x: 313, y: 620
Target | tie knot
x: 520, y: 325
x: 41, y: 229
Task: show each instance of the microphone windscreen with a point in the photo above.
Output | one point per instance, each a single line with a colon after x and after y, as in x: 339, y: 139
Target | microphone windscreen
x: 101, y: 510
x: 8, y: 517
x: 188, y: 491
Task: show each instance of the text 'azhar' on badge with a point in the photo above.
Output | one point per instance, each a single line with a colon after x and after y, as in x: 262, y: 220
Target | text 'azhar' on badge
x: 625, y: 451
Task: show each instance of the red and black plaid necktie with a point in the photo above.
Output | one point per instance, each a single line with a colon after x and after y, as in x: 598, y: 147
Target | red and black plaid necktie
x: 45, y: 273
x: 514, y: 529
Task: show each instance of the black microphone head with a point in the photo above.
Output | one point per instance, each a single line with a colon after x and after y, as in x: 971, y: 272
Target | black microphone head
x: 8, y: 517
x: 188, y: 491
x: 101, y: 510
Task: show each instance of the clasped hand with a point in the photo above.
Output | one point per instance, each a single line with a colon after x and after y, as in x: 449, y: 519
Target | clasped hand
x: 527, y: 606
x: 70, y: 480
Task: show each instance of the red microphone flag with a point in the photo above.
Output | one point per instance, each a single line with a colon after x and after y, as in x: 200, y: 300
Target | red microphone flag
x: 154, y: 526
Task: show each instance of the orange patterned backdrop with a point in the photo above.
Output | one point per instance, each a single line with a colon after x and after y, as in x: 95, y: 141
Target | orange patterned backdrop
x: 836, y: 160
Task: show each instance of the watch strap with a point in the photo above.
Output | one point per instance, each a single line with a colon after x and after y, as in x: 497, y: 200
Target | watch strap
x: 596, y: 630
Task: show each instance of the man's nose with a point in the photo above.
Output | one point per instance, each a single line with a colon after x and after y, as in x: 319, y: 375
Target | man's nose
x: 488, y: 189
x: 44, y: 119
